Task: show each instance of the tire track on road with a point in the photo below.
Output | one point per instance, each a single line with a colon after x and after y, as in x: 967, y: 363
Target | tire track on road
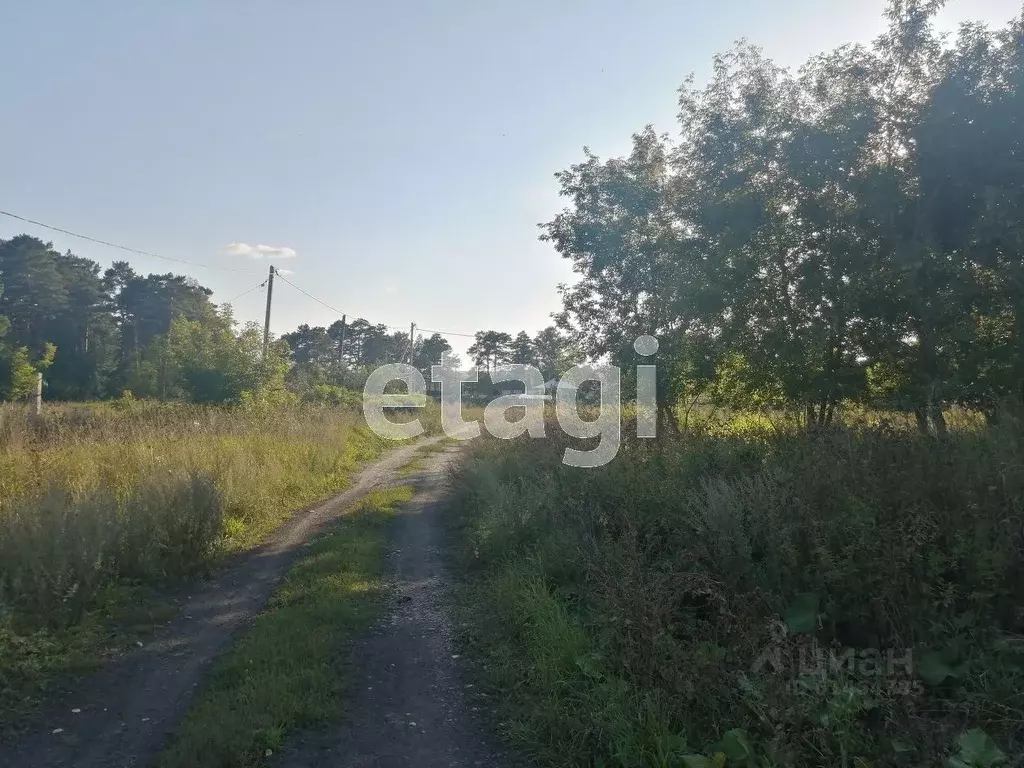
x: 409, y: 708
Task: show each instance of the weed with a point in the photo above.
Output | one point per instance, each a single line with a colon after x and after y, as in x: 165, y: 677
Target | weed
x: 839, y: 597
x: 414, y: 466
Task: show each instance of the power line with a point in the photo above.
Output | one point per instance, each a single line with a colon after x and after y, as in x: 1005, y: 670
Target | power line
x: 246, y: 293
x: 449, y: 333
x: 122, y: 247
x: 152, y: 255
x: 307, y: 293
x: 324, y: 303
x: 392, y: 327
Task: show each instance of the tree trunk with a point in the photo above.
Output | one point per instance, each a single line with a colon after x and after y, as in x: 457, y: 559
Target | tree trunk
x: 830, y: 413
x: 922, y: 421
x: 667, y: 424
x: 938, y: 420
x: 931, y: 420
x: 822, y: 411
x: 135, y: 347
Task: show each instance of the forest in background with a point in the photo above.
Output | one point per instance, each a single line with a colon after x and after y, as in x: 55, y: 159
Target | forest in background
x: 96, y: 334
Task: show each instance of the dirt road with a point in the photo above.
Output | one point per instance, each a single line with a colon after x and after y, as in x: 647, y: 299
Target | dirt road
x: 410, y: 709
x: 122, y: 715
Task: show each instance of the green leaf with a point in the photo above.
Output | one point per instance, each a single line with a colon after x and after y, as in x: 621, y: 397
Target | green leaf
x: 697, y: 761
x: 736, y: 746
x: 899, y: 746
x: 589, y: 664
x: 978, y: 750
x: 935, y: 667
x: 802, y: 615
x: 671, y: 743
x: 965, y: 620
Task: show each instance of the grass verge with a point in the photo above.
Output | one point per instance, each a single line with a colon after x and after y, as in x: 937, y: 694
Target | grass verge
x: 288, y: 670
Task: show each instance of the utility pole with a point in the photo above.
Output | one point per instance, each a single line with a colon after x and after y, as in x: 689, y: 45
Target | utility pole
x: 266, y: 323
x: 341, y: 341
x: 412, y: 330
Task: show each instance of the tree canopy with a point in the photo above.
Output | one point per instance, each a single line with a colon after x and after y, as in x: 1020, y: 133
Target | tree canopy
x: 98, y: 335
x: 851, y: 231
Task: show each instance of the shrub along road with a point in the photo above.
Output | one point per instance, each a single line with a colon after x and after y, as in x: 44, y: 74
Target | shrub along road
x: 123, y: 715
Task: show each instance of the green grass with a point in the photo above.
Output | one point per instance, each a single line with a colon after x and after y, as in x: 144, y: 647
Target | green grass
x: 619, y: 614
x: 414, y: 466
x: 419, y: 460
x: 288, y: 670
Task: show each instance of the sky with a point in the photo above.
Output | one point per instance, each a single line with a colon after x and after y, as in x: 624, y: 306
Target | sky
x: 395, y: 157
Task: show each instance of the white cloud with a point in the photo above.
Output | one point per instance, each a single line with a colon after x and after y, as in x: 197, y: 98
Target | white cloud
x: 391, y: 289
x: 259, y: 251
x: 284, y: 272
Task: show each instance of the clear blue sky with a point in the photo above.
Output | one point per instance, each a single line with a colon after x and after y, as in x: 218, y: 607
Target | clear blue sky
x: 404, y: 150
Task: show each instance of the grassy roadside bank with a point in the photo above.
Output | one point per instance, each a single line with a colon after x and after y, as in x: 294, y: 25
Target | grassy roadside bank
x: 844, y: 598
x: 102, y: 507
x: 288, y: 670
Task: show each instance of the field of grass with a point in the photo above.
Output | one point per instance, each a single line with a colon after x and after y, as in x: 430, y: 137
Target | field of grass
x: 288, y: 670
x: 752, y: 594
x: 103, y: 505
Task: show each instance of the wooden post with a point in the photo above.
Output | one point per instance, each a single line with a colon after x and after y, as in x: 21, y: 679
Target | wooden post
x: 37, y: 398
x: 412, y: 330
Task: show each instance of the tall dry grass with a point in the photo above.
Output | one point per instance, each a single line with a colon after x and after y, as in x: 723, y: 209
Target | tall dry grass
x: 100, y: 503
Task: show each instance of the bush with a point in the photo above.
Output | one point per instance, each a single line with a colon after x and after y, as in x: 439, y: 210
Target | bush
x: 829, y: 594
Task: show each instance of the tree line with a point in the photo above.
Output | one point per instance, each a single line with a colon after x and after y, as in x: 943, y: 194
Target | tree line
x: 344, y: 353
x: 853, y: 231
x: 549, y: 350
x: 98, y: 334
